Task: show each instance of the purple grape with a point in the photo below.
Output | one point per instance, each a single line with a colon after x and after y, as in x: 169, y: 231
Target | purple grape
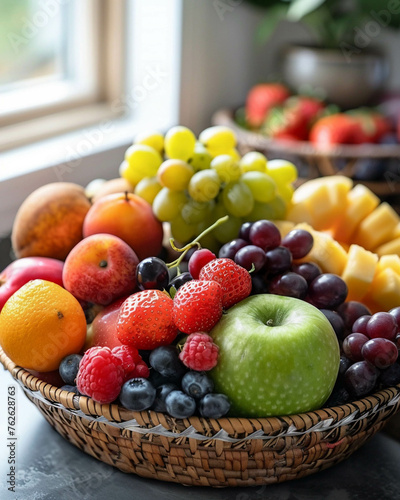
x: 299, y: 242
x: 390, y: 376
x: 229, y: 250
x: 290, y: 285
x: 279, y: 260
x: 395, y: 312
x: 360, y: 324
x: 265, y: 235
x: 344, y: 365
x: 380, y: 352
x: 258, y: 284
x: 382, y: 325
x: 251, y: 256
x: 360, y: 379
x: 351, y: 311
x: 244, y: 232
x: 336, y: 321
x: 308, y: 270
x: 327, y: 291
x: 353, y: 344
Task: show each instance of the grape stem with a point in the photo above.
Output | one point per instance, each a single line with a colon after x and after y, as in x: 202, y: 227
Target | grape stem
x: 193, y: 243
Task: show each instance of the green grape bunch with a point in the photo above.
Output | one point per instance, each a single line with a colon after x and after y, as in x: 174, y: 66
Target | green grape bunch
x: 192, y: 182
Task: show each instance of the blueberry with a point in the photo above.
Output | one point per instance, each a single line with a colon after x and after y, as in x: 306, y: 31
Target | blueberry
x: 369, y: 169
x: 70, y: 388
x: 162, y: 392
x: 165, y: 359
x: 197, y: 384
x: 339, y: 396
x: 69, y: 367
x: 180, y: 405
x: 214, y: 405
x: 390, y: 376
x: 137, y: 394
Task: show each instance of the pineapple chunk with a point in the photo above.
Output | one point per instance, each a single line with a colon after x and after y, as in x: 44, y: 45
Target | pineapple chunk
x: 284, y: 226
x: 389, y: 261
x: 361, y: 201
x: 385, y: 289
x: 359, y: 271
x: 326, y: 252
x: 377, y: 227
x: 389, y: 248
x: 299, y: 212
x: 324, y: 197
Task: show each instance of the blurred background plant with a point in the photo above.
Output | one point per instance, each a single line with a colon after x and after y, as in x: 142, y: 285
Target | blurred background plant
x: 330, y: 22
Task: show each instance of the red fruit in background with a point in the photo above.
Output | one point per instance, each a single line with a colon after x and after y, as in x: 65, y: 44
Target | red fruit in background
x: 234, y: 280
x: 130, y: 218
x: 339, y: 128
x: 145, y: 320
x: 374, y: 125
x: 198, y: 306
x: 261, y: 99
x: 19, y: 272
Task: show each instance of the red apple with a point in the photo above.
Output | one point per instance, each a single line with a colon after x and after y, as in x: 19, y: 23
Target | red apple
x: 100, y: 269
x: 26, y: 269
x: 103, y: 330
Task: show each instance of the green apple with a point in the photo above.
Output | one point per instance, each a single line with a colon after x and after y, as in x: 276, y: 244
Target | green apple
x: 277, y: 356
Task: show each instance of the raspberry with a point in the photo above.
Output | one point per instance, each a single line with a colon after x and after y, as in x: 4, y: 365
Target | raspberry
x: 145, y: 320
x: 197, y: 306
x: 141, y: 371
x: 130, y: 358
x: 100, y: 375
x: 234, y: 280
x: 199, y: 352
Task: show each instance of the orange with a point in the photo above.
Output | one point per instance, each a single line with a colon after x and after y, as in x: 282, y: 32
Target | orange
x: 40, y: 324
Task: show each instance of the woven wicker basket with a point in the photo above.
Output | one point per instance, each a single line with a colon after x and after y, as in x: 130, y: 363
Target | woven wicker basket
x: 206, y: 452
x: 313, y: 162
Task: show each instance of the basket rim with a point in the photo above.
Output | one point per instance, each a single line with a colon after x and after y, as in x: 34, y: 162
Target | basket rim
x: 232, y: 428
x: 304, y: 148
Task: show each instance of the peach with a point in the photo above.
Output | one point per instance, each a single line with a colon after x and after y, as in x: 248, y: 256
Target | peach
x: 49, y: 222
x: 130, y: 218
x: 119, y: 185
x: 100, y: 269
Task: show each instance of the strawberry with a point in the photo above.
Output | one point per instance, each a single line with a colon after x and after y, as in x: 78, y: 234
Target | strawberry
x: 293, y: 120
x: 261, y: 99
x: 197, y: 306
x: 374, y: 125
x: 234, y: 280
x: 339, y: 128
x: 145, y: 320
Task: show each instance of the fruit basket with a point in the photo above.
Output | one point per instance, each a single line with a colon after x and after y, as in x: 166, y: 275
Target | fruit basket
x: 313, y: 162
x: 206, y: 452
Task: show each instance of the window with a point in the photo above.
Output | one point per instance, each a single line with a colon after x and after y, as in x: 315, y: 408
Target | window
x: 59, y: 64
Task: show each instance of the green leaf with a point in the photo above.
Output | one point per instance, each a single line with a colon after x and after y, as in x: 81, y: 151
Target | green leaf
x: 300, y: 8
x: 272, y: 18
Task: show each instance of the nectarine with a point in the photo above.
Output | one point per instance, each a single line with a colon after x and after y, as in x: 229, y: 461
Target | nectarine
x: 130, y: 218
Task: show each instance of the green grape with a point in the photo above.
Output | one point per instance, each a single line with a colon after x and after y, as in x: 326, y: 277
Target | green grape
x: 234, y: 154
x: 218, y: 139
x: 153, y: 139
x: 201, y: 159
x: 143, y: 161
x: 179, y: 143
x: 229, y: 230
x: 279, y: 207
x: 226, y: 167
x: 286, y: 191
x: 181, y: 231
x: 260, y: 211
x: 204, y: 185
x: 148, y: 188
x: 238, y: 199
x: 282, y: 171
x: 262, y: 186
x: 194, y: 212
x: 253, y: 161
x: 208, y: 241
x: 175, y: 174
x: 168, y: 204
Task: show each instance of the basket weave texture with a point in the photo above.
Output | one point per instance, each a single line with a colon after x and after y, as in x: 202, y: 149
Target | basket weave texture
x: 206, y: 452
x: 313, y: 162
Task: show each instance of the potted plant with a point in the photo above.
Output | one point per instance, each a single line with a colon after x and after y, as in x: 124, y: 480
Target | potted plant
x: 343, y: 63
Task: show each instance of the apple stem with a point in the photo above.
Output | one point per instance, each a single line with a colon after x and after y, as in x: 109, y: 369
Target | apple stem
x: 193, y: 243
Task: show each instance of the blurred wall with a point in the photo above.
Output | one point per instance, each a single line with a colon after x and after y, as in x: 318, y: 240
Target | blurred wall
x: 221, y: 59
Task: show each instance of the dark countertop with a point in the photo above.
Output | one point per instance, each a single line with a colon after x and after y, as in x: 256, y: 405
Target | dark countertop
x: 50, y: 468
